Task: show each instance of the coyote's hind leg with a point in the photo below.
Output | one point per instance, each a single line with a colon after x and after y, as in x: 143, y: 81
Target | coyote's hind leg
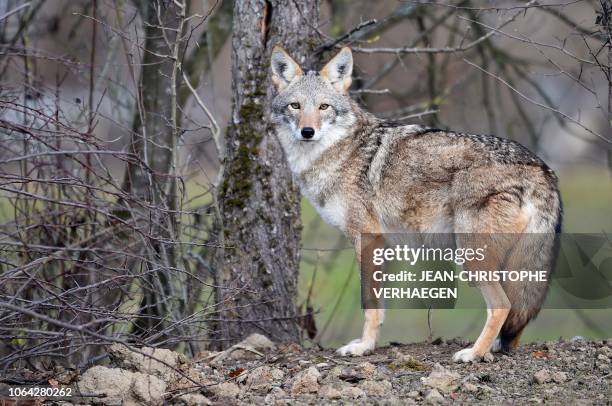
x: 498, y: 307
x: 496, y: 224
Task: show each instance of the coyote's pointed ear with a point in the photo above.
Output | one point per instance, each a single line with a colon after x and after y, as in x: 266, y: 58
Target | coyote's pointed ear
x: 339, y: 70
x: 284, y: 68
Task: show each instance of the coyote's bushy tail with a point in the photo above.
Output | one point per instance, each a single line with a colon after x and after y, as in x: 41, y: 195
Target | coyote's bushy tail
x: 536, y: 250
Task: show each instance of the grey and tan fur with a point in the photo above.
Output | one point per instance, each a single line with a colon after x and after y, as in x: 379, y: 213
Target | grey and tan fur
x: 365, y: 175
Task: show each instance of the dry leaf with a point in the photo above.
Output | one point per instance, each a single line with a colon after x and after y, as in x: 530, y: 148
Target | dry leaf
x: 540, y: 354
x: 235, y: 372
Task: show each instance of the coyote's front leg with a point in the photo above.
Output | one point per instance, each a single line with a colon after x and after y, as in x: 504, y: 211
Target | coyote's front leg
x: 374, y: 313
x: 360, y: 346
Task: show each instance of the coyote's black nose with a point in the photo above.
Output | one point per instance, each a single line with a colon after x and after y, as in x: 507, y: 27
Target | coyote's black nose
x: 308, y: 132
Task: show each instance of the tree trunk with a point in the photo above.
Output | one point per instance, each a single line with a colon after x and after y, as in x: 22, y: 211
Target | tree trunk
x: 259, y: 205
x: 152, y: 132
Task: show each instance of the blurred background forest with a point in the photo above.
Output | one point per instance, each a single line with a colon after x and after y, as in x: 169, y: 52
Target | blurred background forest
x: 140, y: 183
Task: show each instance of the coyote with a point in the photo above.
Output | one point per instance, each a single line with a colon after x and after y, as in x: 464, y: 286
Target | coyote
x: 365, y: 175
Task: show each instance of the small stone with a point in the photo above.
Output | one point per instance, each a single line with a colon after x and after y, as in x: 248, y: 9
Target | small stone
x: 376, y: 388
x: 306, y: 381
x: 193, y: 399
x: 352, y: 392
x: 260, y: 379
x: 367, y: 368
x: 333, y: 374
x: 559, y: 377
x: 352, y: 375
x: 576, y: 339
x: 542, y: 376
x: 485, y: 388
x: 488, y: 357
x: 414, y: 394
x: 257, y: 342
x: 329, y: 392
x: 434, y: 398
x: 602, y: 357
x: 442, y: 379
x: 469, y: 387
x: 274, y: 396
x: 226, y: 390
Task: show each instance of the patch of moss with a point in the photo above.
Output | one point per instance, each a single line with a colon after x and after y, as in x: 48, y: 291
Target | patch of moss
x: 236, y: 185
x: 312, y: 43
x: 408, y: 364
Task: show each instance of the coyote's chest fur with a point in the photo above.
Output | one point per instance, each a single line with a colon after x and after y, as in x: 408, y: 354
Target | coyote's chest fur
x: 333, y: 210
x: 320, y: 179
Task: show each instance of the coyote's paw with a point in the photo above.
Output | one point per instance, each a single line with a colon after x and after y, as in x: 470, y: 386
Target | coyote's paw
x: 356, y: 348
x: 469, y: 355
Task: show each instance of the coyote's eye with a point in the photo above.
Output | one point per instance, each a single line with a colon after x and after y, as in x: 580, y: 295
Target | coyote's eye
x: 323, y: 106
x: 295, y: 106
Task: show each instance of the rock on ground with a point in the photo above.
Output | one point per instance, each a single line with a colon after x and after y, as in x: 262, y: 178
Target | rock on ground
x: 442, y: 379
x: 114, y: 385
x: 227, y: 390
x: 376, y: 388
x: 193, y: 399
x: 542, y: 376
x: 262, y: 378
x: 306, y: 381
x: 434, y: 398
x: 155, y: 361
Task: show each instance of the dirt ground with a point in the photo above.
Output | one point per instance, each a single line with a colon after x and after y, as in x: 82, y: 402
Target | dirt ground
x: 258, y: 372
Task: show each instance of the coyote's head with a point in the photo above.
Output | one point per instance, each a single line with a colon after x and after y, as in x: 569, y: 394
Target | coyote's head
x: 312, y: 106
